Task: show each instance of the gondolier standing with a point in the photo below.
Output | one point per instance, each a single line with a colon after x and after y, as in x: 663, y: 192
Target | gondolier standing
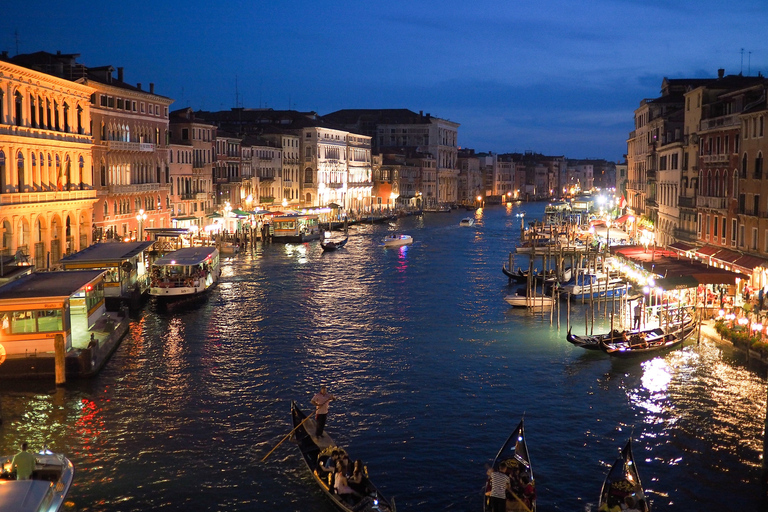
x: 321, y: 401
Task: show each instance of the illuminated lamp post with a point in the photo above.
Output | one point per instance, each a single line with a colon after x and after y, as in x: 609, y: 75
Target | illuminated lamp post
x: 479, y: 201
x: 140, y: 218
x: 521, y: 216
x: 509, y: 196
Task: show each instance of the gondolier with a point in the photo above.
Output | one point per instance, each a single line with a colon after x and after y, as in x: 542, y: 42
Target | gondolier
x: 321, y: 401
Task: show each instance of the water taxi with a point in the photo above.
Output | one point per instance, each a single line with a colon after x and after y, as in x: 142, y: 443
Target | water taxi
x: 295, y: 228
x: 396, y: 240
x: 185, y: 273
x: 467, y: 221
x: 46, y: 489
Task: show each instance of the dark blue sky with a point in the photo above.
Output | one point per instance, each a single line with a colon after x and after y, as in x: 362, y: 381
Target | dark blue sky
x: 561, y: 77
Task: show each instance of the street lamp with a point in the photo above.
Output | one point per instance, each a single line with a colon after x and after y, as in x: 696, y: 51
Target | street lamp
x: 521, y: 216
x: 140, y: 218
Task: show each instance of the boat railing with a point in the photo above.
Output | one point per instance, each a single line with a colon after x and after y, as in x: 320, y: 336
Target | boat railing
x: 179, y: 281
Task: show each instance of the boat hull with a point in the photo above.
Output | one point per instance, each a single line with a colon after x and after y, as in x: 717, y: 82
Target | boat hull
x: 47, y: 489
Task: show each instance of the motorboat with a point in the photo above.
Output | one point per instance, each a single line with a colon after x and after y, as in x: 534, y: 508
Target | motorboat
x: 396, y: 240
x: 187, y: 272
x: 595, y: 285
x: 467, y: 222
x: 45, y: 491
x: 537, y: 300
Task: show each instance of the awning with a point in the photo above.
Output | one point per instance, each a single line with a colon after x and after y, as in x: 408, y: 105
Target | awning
x: 240, y: 213
x: 707, y: 251
x: 624, y: 218
x: 261, y: 212
x: 214, y: 215
x: 333, y: 205
x: 682, y: 247
x: 750, y: 263
x: 180, y: 219
x: 726, y: 256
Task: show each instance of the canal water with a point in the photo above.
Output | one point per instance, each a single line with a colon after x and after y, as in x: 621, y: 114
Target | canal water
x: 432, y: 371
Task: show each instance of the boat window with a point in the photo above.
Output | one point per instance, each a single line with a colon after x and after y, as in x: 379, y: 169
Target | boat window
x: 22, y: 322
x: 49, y: 320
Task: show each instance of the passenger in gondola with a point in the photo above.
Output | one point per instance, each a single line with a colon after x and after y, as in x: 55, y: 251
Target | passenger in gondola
x: 357, y: 480
x: 529, y: 491
x: 328, y: 464
x: 341, y: 485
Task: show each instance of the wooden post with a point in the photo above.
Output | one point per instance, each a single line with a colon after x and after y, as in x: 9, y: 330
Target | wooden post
x: 60, y: 355
x: 568, y: 311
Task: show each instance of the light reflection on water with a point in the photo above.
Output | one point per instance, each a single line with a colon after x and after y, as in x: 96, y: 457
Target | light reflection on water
x: 432, y: 370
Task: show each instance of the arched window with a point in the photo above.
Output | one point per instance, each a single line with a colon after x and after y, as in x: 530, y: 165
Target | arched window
x: 106, y: 208
x: 759, y: 165
x: 59, y: 180
x: 724, y: 186
x: 81, y: 169
x: 19, y: 109
x: 114, y: 207
x: 103, y: 174
x: 2, y: 111
x: 67, y: 178
x: 79, y: 119
x: 3, y: 177
x: 308, y: 175
x: 744, y: 166
x: 716, y: 184
x: 66, y: 123
x: 20, y: 169
x: 35, y: 182
x: 32, y: 111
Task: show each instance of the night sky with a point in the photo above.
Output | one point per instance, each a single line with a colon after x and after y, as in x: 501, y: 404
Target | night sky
x: 561, y: 77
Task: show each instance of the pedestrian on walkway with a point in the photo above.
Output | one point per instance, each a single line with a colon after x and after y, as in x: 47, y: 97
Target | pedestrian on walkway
x: 638, y: 314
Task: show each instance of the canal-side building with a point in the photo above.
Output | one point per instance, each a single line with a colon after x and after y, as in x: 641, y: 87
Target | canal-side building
x: 131, y: 159
x: 191, y: 166
x: 402, y: 131
x: 46, y: 190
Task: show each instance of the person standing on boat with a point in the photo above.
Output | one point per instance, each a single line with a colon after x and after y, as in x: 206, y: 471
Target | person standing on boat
x: 500, y: 485
x: 638, y: 314
x: 24, y: 463
x: 321, y: 401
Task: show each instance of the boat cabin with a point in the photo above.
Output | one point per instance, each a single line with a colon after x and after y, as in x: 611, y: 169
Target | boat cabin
x: 126, y: 265
x: 295, y: 228
x: 37, y: 307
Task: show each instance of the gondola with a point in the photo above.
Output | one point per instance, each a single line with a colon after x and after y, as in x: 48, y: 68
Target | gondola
x: 622, y: 481
x: 313, y: 450
x: 332, y: 245
x: 593, y: 342
x: 650, y: 344
x: 518, y: 277
x: 514, y: 453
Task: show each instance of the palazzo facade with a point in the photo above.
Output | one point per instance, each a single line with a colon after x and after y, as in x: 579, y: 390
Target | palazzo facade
x: 46, y: 188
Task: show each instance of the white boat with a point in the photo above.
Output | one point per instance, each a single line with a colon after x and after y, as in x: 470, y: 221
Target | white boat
x: 598, y: 286
x: 396, y: 240
x: 522, y: 301
x: 44, y: 492
x: 467, y: 221
x: 185, y: 273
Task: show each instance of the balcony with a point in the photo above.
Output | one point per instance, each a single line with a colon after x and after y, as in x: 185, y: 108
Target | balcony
x: 682, y: 235
x: 712, y: 203
x: 714, y: 159
x: 651, y: 203
x: 650, y: 174
x: 686, y: 202
x: 119, y: 145
x: 719, y: 122
x: 44, y: 197
x: 134, y: 188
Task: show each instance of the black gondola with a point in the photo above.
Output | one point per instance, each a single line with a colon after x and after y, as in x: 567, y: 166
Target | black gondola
x: 332, y: 245
x: 623, y: 481
x: 639, y: 346
x: 616, y: 339
x: 514, y: 453
x: 313, y: 450
x: 518, y: 277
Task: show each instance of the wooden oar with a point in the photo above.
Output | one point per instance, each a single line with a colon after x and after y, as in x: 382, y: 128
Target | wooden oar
x: 286, y: 437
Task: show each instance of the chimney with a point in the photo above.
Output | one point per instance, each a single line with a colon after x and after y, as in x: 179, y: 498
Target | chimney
x: 120, y: 74
x: 428, y: 116
x: 720, y: 73
x: 138, y: 86
x: 151, y: 88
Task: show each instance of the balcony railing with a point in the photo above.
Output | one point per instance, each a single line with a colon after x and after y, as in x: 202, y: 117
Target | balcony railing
x: 714, y: 159
x: 120, y: 145
x: 714, y: 203
x: 134, y: 188
x: 719, y: 122
x: 686, y: 202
